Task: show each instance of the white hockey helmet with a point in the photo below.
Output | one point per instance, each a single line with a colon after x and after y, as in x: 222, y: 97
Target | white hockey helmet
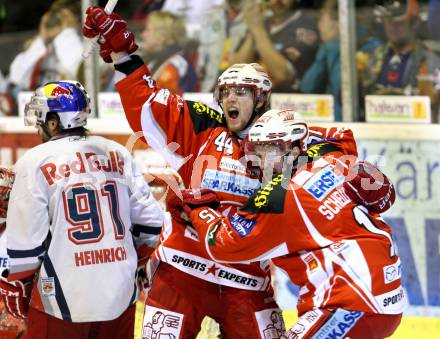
x: 246, y: 75
x: 68, y: 99
x: 279, y: 127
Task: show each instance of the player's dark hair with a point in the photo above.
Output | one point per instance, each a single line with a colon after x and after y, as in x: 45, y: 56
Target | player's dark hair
x: 81, y: 131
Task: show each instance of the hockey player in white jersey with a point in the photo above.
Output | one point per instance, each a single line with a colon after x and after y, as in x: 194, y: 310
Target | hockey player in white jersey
x: 77, y: 211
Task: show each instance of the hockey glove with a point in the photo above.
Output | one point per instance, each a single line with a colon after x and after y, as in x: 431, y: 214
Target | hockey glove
x: 16, y: 296
x: 6, y: 180
x: 370, y: 187
x: 143, y: 252
x: 180, y: 208
x: 112, y: 29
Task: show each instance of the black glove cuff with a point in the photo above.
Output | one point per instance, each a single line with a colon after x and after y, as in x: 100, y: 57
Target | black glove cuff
x: 130, y: 65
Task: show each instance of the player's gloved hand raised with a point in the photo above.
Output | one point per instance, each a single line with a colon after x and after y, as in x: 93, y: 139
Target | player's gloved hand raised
x: 370, y: 187
x: 181, y: 207
x: 16, y: 296
x: 112, y: 29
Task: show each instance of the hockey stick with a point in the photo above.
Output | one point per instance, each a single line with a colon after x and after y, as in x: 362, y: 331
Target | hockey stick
x: 91, y: 43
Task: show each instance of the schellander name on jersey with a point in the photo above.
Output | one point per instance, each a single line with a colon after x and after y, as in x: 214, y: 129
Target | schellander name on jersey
x: 100, y: 256
x: 334, y: 203
x: 87, y: 162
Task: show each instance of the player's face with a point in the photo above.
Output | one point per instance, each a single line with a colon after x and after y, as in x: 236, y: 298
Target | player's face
x: 398, y: 30
x: 42, y: 133
x: 271, y: 157
x: 281, y: 7
x: 238, y: 105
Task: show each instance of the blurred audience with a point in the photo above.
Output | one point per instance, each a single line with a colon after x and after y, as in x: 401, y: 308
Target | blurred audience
x: 285, y: 41
x: 145, y: 8
x: 403, y: 64
x: 166, y: 51
x: 6, y: 100
x: 224, y: 31
x: 434, y: 19
x: 55, y: 53
x: 192, y: 11
x: 324, y: 75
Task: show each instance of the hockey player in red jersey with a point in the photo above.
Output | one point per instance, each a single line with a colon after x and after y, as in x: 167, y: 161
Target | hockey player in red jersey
x: 78, y: 211
x: 343, y: 257
x: 10, y: 326
x: 204, y: 146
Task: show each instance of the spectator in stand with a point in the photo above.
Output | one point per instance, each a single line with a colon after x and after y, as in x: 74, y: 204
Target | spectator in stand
x: 6, y: 99
x: 324, y: 75
x: 165, y: 47
x: 224, y: 32
x: 402, y: 65
x: 285, y: 42
x: 55, y: 53
x: 434, y: 19
x: 191, y: 11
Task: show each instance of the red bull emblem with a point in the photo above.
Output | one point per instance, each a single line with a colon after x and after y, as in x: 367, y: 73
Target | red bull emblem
x: 54, y: 90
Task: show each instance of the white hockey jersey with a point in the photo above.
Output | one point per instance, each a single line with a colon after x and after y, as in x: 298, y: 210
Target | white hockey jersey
x: 76, y: 210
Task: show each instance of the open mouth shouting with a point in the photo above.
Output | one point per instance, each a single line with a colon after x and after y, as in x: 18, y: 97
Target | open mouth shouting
x: 232, y: 113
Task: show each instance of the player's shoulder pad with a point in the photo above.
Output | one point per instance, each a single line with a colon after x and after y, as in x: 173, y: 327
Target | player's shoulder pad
x: 203, y: 116
x: 322, y: 148
x: 270, y: 198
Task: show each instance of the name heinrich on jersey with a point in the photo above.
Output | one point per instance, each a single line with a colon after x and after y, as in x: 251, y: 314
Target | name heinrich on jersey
x: 100, y: 256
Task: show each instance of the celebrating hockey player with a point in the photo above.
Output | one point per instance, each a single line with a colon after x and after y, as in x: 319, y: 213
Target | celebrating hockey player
x: 77, y: 211
x: 204, y: 146
x: 343, y: 257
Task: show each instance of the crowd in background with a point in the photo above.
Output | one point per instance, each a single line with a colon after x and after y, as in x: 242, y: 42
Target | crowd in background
x: 188, y: 43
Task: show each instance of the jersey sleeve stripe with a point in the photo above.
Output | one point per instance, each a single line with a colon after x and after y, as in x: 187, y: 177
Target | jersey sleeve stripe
x: 137, y: 229
x: 320, y: 240
x: 156, y: 137
x: 35, y: 252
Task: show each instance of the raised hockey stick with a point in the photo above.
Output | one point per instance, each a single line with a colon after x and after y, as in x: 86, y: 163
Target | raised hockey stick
x: 91, y: 43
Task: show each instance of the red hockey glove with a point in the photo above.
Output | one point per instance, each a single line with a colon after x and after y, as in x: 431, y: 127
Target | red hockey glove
x: 180, y: 208
x: 6, y: 180
x: 370, y: 188
x: 113, y: 32
x: 16, y: 296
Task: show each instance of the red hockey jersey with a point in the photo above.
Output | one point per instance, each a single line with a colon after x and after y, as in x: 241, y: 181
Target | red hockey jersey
x: 196, y: 142
x: 339, y: 254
